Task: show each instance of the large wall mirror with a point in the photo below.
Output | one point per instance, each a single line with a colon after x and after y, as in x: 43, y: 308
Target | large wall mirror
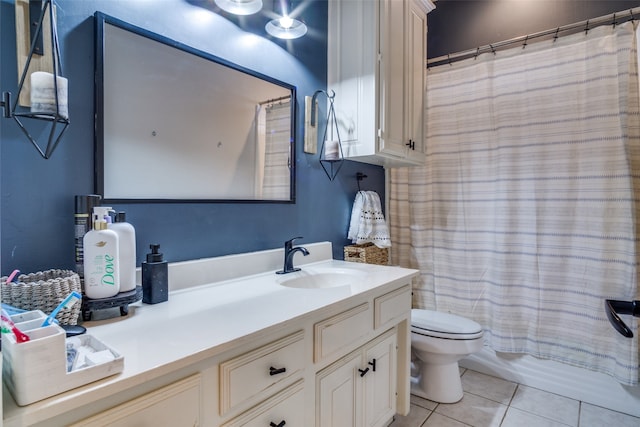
x: 177, y: 124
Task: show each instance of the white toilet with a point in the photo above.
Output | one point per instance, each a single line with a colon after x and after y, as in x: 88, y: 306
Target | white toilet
x: 438, y: 342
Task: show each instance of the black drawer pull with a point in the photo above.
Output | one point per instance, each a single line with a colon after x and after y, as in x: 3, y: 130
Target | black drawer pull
x: 373, y: 365
x: 274, y: 371
x: 282, y: 423
x: 363, y: 372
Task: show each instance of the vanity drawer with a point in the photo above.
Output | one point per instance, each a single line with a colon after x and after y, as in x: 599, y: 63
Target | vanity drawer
x: 338, y: 331
x: 391, y: 306
x: 264, y: 368
x: 285, y: 408
x: 176, y: 404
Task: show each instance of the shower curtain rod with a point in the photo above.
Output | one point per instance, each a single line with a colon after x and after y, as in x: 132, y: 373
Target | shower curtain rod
x: 613, y: 18
x: 274, y: 100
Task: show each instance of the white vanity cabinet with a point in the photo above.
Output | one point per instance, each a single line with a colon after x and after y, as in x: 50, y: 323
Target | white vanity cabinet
x: 359, y: 389
x: 261, y: 354
x: 376, y: 66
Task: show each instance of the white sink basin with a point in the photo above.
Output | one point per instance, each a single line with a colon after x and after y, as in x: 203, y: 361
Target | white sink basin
x: 323, y: 278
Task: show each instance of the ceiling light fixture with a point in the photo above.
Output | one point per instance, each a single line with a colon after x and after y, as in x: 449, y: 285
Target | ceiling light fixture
x: 240, y: 7
x: 286, y: 27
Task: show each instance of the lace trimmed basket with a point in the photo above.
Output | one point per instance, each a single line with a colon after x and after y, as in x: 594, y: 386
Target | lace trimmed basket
x: 44, y: 290
x: 366, y: 253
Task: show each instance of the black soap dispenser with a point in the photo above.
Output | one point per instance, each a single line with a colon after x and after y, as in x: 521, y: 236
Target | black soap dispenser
x: 155, y: 277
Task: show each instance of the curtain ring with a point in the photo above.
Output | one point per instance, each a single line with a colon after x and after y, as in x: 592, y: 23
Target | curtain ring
x: 555, y: 36
x: 586, y: 28
x: 492, y: 49
x: 449, y: 59
x: 614, y: 20
x: 477, y: 53
x: 525, y: 41
x: 631, y: 13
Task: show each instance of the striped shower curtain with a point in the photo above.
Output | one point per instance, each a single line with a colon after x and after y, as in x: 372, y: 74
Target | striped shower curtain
x: 274, y: 151
x: 525, y: 215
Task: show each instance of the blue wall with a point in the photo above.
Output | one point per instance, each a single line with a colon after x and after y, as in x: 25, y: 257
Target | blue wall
x: 37, y: 195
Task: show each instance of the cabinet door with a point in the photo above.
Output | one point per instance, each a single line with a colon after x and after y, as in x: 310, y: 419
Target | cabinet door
x: 392, y: 82
x: 339, y: 394
x: 351, y: 64
x: 416, y: 42
x: 380, y: 381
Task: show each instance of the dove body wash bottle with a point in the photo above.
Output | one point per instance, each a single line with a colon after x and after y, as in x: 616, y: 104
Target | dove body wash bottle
x: 101, y: 258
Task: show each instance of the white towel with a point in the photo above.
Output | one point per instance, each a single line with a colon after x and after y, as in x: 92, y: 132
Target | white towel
x: 367, y: 221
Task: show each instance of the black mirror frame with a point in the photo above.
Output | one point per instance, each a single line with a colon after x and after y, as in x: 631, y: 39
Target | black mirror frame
x: 100, y: 20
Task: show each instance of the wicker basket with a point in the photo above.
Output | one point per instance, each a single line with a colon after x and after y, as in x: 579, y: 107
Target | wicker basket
x: 367, y: 253
x: 44, y: 290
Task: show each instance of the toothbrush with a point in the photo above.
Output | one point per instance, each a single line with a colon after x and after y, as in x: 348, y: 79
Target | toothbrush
x: 20, y: 336
x: 13, y: 274
x: 68, y: 302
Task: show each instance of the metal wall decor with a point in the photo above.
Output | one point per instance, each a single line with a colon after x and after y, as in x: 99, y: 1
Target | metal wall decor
x: 331, y: 155
x: 47, y: 87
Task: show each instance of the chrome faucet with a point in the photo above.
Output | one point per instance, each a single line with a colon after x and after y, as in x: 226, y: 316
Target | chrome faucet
x: 289, y: 252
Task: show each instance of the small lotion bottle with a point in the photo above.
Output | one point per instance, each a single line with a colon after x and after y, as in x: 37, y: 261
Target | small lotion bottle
x: 155, y: 277
x: 101, y: 258
x: 127, y: 250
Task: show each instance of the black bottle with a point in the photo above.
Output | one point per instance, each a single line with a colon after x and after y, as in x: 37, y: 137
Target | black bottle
x: 83, y: 223
x: 155, y: 277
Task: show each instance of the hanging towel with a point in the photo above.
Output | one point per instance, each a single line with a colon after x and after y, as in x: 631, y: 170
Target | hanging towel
x: 367, y: 221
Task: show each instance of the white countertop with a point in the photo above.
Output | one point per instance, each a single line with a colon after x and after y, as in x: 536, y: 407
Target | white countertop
x: 198, y: 323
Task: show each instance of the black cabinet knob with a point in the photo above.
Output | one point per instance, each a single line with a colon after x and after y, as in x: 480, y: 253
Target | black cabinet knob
x: 282, y: 423
x: 373, y: 365
x: 363, y: 372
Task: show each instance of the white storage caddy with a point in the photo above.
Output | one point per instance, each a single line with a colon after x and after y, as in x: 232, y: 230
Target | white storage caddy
x: 37, y: 369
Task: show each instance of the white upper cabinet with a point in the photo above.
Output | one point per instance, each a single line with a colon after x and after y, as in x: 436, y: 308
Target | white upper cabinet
x: 376, y: 66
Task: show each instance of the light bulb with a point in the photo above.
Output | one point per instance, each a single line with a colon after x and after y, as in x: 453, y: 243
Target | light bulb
x: 286, y: 22
x: 286, y: 27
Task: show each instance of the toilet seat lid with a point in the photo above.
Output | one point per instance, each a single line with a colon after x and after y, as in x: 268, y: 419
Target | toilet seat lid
x: 443, y: 323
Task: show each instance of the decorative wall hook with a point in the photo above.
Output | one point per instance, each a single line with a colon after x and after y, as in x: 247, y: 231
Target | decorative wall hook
x: 48, y: 90
x: 331, y: 155
x: 360, y: 176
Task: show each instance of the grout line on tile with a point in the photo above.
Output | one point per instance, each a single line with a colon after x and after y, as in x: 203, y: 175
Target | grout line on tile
x: 444, y: 416
x: 579, y: 412
x: 515, y: 390
x: 545, y: 417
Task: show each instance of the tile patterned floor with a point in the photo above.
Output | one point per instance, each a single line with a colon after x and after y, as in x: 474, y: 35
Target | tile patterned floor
x: 492, y: 402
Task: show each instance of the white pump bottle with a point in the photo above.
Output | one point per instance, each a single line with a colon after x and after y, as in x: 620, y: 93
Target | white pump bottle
x: 127, y: 251
x: 101, y: 258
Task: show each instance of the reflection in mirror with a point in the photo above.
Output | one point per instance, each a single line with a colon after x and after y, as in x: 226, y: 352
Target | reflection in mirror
x: 177, y: 124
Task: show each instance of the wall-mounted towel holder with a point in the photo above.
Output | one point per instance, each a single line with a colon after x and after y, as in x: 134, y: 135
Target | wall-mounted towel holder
x: 614, y: 307
x: 360, y: 176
